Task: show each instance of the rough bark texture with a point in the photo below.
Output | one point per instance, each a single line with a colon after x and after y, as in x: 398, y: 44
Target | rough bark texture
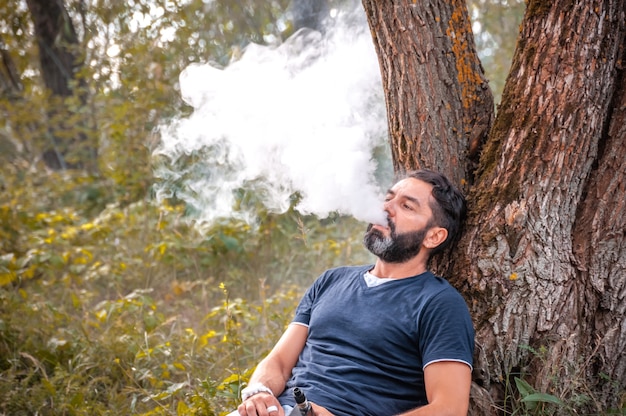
x: 545, y: 247
x: 543, y: 260
x: 599, y: 245
x: 439, y: 106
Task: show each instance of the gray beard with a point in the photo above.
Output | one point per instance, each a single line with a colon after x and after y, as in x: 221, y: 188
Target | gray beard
x: 396, y: 248
x: 378, y: 244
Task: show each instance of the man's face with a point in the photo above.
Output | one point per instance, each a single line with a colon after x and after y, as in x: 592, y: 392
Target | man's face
x: 409, y: 218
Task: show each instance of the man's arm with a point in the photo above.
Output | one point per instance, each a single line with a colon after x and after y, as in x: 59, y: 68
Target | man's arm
x: 274, y: 371
x: 447, y: 389
x: 448, y: 386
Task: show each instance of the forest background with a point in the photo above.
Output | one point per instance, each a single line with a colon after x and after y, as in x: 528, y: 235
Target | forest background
x: 113, y: 301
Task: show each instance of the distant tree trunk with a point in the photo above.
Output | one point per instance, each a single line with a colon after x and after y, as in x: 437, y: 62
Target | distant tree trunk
x: 60, y: 61
x: 10, y: 88
x: 542, y: 263
x: 10, y: 84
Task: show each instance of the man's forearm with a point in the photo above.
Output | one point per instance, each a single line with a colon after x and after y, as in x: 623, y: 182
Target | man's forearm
x: 437, y: 410
x: 269, y: 375
x: 274, y: 370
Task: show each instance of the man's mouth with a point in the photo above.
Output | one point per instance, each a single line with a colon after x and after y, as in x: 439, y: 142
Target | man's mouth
x: 380, y: 227
x: 389, y: 227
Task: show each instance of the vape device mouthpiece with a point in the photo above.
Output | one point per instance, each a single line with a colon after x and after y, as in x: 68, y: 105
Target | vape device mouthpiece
x: 302, y: 404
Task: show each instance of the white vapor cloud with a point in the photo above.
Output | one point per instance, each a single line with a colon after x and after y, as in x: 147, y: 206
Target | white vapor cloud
x: 303, y: 117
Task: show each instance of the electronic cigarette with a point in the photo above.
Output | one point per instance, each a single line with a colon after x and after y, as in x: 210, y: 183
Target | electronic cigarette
x: 302, y: 404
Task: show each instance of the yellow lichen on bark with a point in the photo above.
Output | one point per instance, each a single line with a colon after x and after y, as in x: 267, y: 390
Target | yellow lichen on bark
x: 468, y: 76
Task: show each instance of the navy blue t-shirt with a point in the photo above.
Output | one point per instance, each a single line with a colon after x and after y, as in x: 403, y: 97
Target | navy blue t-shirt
x: 367, y: 346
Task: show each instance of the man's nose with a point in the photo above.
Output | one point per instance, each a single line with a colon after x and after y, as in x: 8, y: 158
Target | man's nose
x: 389, y: 208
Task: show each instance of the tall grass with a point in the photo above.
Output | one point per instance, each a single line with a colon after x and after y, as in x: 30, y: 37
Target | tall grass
x: 110, y: 309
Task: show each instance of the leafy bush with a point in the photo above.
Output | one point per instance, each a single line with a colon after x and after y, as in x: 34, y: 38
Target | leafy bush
x: 130, y: 310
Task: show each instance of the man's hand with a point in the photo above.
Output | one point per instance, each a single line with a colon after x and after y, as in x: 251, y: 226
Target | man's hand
x: 261, y: 404
x: 273, y: 372
x: 320, y: 411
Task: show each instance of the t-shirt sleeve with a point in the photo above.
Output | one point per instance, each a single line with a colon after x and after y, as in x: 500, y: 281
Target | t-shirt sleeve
x: 446, y: 330
x: 303, y: 311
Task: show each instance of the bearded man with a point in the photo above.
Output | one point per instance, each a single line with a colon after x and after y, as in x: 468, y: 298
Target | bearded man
x: 384, y: 339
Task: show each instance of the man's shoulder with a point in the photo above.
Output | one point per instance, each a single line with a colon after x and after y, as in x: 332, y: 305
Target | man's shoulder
x: 437, y: 289
x: 439, y: 283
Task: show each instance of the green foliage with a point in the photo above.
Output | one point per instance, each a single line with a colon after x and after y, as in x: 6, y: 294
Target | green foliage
x: 566, y: 392
x: 534, y: 401
x: 110, y: 304
x: 130, y: 310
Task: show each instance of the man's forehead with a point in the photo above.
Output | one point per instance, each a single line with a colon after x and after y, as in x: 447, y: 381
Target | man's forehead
x: 411, y: 186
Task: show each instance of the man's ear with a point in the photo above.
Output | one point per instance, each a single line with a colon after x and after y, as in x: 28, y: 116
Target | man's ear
x: 435, y: 236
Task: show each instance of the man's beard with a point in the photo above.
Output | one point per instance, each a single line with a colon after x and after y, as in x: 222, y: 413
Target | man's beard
x: 396, y: 248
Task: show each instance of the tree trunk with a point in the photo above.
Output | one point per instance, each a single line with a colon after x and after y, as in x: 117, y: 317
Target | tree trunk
x: 60, y: 62
x: 439, y: 106
x: 542, y: 263
x: 56, y: 37
x: 10, y: 83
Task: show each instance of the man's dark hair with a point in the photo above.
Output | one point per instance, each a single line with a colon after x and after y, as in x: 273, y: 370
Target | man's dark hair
x: 449, y: 210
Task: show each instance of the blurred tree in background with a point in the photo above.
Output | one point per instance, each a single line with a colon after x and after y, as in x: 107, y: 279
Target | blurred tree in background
x: 496, y: 25
x: 110, y: 303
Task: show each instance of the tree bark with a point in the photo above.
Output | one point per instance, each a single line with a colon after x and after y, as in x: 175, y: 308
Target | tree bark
x: 439, y: 106
x: 536, y: 296
x: 542, y: 263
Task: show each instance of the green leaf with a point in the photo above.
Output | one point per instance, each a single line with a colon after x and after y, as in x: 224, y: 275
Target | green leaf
x: 523, y: 387
x: 231, y: 243
x: 542, y: 398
